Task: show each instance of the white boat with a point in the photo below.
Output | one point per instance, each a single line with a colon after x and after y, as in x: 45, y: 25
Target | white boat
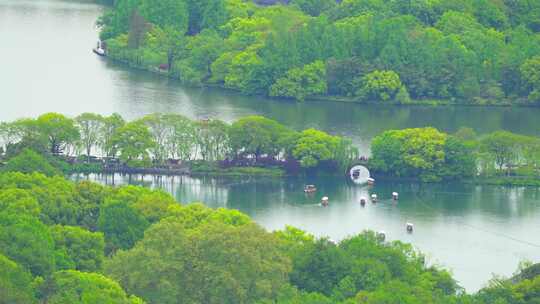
x: 410, y: 227
x: 99, y: 50
x: 324, y: 201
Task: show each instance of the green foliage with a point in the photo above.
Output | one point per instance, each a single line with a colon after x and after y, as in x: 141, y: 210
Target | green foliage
x: 380, y: 85
x: 163, y: 13
x: 530, y: 71
x: 459, y: 51
x: 252, y: 145
x: 59, y: 131
x: 134, y: 142
x: 319, y: 267
x: 302, y: 82
x: 363, y: 266
x: 195, y: 215
x: 244, y: 263
x: 57, y: 197
x: 152, y: 205
x: 121, y: 224
x: 110, y: 127
x: 313, y: 147
x: 507, y: 150
x: 19, y: 201
x: 195, y: 254
x: 314, y: 7
x: 29, y: 161
x: 15, y: 283
x: 257, y: 136
x: 28, y: 242
x: 80, y: 249
x: 422, y: 152
x: 212, y: 139
x: 76, y: 287
x: 90, y: 126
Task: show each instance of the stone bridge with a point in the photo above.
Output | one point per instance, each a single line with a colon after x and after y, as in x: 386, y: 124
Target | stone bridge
x: 360, y: 162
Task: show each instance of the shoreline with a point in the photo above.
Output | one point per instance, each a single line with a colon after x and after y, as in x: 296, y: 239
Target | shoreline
x: 276, y: 172
x: 328, y: 98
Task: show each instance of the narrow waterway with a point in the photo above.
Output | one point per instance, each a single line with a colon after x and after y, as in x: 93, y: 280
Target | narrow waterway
x: 47, y: 65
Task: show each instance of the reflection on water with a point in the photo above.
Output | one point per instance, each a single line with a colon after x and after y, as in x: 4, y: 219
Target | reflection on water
x: 47, y: 65
x: 473, y: 230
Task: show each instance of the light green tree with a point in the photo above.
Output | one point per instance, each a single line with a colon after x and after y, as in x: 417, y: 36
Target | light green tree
x: 380, y: 85
x: 134, y: 142
x: 302, y: 82
x: 59, y: 130
x: 15, y: 283
x: 90, y: 126
x: 72, y: 286
x: 314, y: 146
x: 121, y: 224
x: 530, y: 71
x: 79, y: 248
x: 28, y: 242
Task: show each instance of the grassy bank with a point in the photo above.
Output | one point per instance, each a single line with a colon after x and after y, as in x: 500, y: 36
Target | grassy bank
x: 211, y: 169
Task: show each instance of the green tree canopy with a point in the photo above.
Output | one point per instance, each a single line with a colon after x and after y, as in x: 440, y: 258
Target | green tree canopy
x: 164, y: 13
x: 59, y: 131
x: 29, y: 161
x: 19, y: 201
x: 90, y: 126
x: 28, y: 242
x: 301, y: 82
x: 76, y: 287
x: 530, y: 70
x: 15, y: 283
x: 380, y: 85
x: 256, y: 135
x: 134, y: 142
x: 79, y: 248
x: 121, y: 224
x: 314, y: 146
x: 421, y: 152
x: 244, y: 263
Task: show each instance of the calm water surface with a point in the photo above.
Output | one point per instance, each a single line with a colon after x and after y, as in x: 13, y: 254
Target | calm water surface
x: 46, y: 65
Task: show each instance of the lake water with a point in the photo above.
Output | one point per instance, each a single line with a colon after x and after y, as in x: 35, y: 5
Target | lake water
x: 46, y: 64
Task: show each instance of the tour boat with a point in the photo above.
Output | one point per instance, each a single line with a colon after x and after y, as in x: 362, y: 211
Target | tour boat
x: 98, y: 49
x: 310, y: 189
x: 324, y: 201
x: 362, y: 201
x: 410, y: 227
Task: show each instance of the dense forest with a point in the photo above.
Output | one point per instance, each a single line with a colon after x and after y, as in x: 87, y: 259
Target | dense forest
x: 384, y: 51
x: 65, y: 242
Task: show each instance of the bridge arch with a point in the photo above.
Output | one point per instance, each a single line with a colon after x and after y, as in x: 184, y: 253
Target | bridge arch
x: 362, y: 173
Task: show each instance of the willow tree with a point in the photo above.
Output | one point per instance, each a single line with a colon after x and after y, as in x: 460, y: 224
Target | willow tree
x: 134, y: 142
x: 212, y: 139
x: 110, y: 126
x: 90, y: 126
x: 59, y: 131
